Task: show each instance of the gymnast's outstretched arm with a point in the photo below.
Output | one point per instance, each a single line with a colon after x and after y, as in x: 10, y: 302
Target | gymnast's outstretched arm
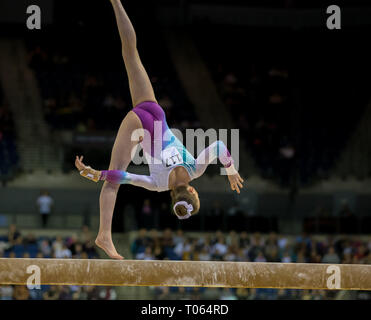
x: 115, y: 176
x: 123, y: 177
x: 219, y: 150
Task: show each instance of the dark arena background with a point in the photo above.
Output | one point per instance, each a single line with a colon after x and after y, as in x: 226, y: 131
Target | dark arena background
x: 298, y: 92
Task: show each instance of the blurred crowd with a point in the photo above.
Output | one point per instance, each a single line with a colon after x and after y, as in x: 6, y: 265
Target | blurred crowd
x: 57, y: 293
x: 279, y: 103
x: 258, y: 92
x: 273, y: 113
x: 239, y: 247
x: 261, y: 104
x: 91, y: 99
x: 8, y: 151
x: 155, y: 212
x: 97, y: 100
x: 17, y: 245
x: 77, y: 246
x: 179, y: 245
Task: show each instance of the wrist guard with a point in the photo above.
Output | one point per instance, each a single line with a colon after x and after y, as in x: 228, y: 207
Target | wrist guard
x: 91, y: 174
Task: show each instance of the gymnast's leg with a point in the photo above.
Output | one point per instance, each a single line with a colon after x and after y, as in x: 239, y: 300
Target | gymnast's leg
x: 140, y: 90
x: 120, y: 159
x: 139, y: 82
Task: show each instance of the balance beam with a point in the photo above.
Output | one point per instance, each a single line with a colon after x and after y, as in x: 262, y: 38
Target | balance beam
x: 184, y: 274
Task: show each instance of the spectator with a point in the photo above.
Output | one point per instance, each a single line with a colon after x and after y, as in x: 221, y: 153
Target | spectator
x: 361, y: 253
x: 167, y: 239
x: 286, y: 257
x: 85, y: 235
x: 18, y: 247
x: 107, y: 293
x: 158, y: 252
x: 244, y: 239
x: 220, y: 248
x: 331, y: 256
x: 13, y: 234
x: 146, y: 255
x: 45, y: 204
x: 179, y: 237
x: 65, y: 253
x: 231, y: 254
x: 89, y: 249
x: 84, y: 255
x: 272, y: 254
x: 71, y: 243
x: 260, y: 257
x: 78, y: 251
x: 58, y: 244
x: 242, y: 255
x: 301, y: 258
x: 232, y: 238
x: 204, y: 255
x: 140, y: 242
x: 45, y: 248
x: 182, y: 247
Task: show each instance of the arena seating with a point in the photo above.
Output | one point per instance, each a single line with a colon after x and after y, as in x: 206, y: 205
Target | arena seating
x: 255, y: 247
x: 295, y: 122
x: 82, y: 94
x: 19, y: 244
x: 275, y: 107
x: 171, y: 244
x: 86, y: 96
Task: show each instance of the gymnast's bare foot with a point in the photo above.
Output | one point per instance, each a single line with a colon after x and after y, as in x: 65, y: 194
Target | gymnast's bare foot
x: 107, y: 246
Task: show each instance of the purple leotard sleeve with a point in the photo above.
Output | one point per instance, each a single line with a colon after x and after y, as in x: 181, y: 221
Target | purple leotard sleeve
x: 123, y: 177
x: 208, y: 155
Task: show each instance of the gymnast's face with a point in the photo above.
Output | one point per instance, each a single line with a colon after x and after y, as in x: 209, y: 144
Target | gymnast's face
x: 193, y: 191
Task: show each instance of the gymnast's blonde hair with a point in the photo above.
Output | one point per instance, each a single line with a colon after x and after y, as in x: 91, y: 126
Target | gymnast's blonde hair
x: 182, y: 193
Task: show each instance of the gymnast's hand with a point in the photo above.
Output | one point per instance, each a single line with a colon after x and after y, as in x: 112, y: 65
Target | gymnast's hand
x: 86, y: 171
x: 79, y: 164
x: 236, y: 182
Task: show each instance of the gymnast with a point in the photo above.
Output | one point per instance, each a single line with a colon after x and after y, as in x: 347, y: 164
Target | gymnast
x: 171, y: 166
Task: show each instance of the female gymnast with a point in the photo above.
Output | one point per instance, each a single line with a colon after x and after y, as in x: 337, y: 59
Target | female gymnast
x: 171, y: 166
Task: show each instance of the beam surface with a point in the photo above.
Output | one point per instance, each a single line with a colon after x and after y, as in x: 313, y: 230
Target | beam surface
x: 185, y: 274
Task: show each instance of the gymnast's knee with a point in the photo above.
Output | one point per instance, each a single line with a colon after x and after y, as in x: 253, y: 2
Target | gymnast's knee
x: 109, y: 186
